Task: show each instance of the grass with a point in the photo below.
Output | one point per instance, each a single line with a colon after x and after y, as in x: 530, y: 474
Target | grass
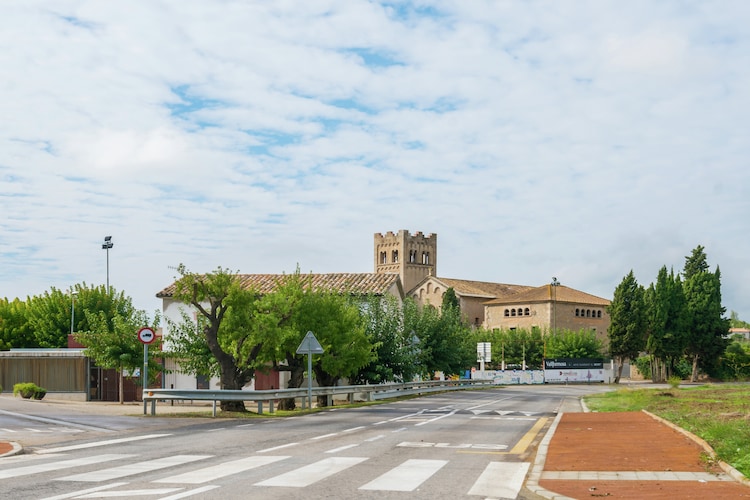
x: 719, y: 414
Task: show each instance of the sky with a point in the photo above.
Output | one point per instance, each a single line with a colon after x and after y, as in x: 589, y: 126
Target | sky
x: 576, y: 139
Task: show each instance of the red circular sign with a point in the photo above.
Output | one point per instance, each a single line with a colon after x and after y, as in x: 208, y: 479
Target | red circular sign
x: 146, y: 335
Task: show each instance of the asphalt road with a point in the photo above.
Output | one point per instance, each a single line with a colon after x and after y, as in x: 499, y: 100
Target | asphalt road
x: 463, y: 444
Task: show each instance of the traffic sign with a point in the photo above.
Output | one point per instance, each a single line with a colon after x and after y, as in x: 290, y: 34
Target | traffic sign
x: 310, y: 345
x: 146, y: 335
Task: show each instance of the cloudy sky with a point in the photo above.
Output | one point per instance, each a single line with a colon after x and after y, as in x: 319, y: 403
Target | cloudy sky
x: 576, y: 139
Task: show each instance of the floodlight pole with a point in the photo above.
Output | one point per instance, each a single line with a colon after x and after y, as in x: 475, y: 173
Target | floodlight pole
x: 106, y: 246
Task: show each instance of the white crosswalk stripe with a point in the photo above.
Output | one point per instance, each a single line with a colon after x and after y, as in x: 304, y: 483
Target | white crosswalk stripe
x: 134, y: 468
x: 406, y: 477
x: 62, y: 464
x: 497, y: 480
x: 221, y: 470
x: 312, y: 473
x: 501, y: 479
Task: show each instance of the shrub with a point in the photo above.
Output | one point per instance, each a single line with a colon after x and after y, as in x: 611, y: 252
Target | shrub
x: 674, y: 381
x: 29, y: 390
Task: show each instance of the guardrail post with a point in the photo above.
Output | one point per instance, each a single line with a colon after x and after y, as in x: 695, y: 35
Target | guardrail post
x: 260, y: 407
x: 214, y: 407
x: 153, y: 407
x: 270, y: 405
x: 329, y: 400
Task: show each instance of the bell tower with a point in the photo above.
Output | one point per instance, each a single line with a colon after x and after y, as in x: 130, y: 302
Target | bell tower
x: 411, y: 256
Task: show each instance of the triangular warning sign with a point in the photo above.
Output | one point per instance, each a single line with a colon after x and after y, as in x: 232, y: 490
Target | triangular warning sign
x: 310, y: 345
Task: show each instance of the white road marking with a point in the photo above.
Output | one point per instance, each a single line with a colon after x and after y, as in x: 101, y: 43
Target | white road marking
x: 83, y: 492
x: 277, y: 447
x: 501, y: 479
x: 62, y: 464
x: 100, y: 443
x: 305, y: 476
x: 134, y: 468
x: 342, y: 448
x: 130, y: 493
x: 190, y: 493
x: 406, y: 477
x: 436, y: 418
x: 221, y: 470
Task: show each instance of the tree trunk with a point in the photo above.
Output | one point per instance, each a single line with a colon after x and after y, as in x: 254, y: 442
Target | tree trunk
x: 296, y: 377
x: 694, y: 374
x: 232, y: 379
x: 620, y: 363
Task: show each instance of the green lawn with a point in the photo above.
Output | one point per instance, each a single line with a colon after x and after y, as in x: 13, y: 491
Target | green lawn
x: 720, y: 414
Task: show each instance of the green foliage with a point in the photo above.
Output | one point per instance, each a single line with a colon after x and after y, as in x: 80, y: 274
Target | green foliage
x: 574, y: 344
x: 396, y: 349
x: 667, y: 323
x: 445, y: 342
x: 15, y: 329
x: 736, y: 322
x: 705, y: 315
x: 515, y: 347
x: 29, y: 390
x: 113, y: 341
x: 627, y: 330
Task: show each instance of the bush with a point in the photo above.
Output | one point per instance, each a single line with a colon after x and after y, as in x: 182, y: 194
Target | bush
x: 29, y: 390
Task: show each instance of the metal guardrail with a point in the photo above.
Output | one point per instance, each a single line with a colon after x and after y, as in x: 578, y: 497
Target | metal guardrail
x: 370, y: 392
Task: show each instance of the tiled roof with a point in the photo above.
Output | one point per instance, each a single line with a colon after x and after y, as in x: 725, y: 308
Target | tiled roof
x: 545, y: 293
x: 352, y: 283
x: 483, y: 288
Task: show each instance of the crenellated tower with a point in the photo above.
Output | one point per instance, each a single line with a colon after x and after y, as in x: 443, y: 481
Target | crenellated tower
x: 411, y: 256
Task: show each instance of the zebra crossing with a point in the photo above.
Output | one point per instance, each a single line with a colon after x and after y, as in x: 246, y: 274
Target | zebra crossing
x: 496, y: 479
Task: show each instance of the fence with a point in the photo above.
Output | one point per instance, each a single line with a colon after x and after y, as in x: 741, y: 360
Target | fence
x: 370, y: 393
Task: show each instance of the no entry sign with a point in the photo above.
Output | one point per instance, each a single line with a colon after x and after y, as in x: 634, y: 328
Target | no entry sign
x: 146, y: 335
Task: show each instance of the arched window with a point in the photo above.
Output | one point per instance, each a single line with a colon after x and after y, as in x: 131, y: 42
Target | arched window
x: 394, y: 256
x: 526, y: 312
x: 588, y: 313
x: 598, y: 314
x: 425, y: 257
x: 383, y: 258
x: 578, y: 312
x: 507, y: 313
x: 512, y: 312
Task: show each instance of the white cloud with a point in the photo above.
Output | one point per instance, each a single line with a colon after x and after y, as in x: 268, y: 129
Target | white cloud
x: 539, y: 138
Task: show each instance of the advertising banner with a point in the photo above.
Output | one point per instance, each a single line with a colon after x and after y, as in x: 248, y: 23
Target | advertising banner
x: 572, y: 370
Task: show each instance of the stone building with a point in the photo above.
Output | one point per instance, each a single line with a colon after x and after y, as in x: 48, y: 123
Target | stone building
x: 486, y: 304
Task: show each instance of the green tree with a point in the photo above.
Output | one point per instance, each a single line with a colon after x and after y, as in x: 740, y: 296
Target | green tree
x: 395, y: 347
x: 707, y: 326
x: 628, y: 323
x: 218, y: 296
x: 49, y: 315
x: 445, y: 342
x: 335, y: 321
x: 695, y: 263
x: 736, y: 322
x: 573, y: 344
x: 113, y: 342
x: 665, y: 324
x: 15, y: 329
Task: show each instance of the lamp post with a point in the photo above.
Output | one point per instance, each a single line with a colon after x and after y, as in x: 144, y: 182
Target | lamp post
x: 72, y: 309
x: 106, y: 246
x: 554, y: 284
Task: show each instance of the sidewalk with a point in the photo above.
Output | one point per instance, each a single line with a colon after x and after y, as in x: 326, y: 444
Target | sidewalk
x: 628, y: 455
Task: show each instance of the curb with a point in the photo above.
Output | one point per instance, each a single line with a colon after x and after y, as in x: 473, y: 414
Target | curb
x: 17, y: 449
x: 728, y: 469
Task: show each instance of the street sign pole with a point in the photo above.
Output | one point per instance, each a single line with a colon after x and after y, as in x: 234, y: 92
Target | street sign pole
x: 146, y: 335
x: 309, y: 346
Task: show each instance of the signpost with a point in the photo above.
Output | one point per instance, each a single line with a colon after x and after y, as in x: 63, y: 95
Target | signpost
x: 146, y: 335
x: 309, y: 346
x: 484, y: 353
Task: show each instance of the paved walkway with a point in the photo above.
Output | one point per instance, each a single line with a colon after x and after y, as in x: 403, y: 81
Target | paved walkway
x: 628, y: 455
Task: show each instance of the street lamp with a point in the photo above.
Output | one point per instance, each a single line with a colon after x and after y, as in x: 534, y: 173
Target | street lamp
x: 554, y: 284
x: 106, y: 246
x: 72, y: 309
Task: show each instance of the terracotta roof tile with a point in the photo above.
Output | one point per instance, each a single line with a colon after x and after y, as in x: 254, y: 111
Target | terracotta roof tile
x: 483, y: 288
x: 544, y: 293
x: 353, y: 283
